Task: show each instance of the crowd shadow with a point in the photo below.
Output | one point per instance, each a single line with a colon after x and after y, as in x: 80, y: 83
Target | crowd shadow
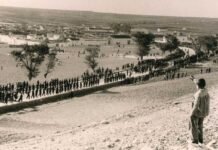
x: 27, y: 110
x: 107, y: 92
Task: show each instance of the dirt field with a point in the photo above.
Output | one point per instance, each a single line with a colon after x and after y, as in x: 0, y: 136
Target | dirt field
x: 131, y: 117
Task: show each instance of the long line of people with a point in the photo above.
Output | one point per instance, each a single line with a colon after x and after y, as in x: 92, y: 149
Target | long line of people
x: 24, y: 90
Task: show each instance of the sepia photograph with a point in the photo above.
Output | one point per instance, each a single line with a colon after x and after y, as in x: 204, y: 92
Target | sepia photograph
x: 108, y: 75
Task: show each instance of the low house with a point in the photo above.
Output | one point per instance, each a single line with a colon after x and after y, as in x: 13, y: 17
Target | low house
x: 160, y: 39
x: 53, y: 37
x: 16, y: 40
x: 120, y: 39
x: 162, y: 30
x: 184, y: 40
x: 99, y: 31
x: 141, y: 30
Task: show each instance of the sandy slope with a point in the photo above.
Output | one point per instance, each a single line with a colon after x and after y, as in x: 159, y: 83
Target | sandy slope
x: 149, y: 117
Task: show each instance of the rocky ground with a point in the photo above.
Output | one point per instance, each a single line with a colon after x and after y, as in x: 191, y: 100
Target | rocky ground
x: 160, y: 123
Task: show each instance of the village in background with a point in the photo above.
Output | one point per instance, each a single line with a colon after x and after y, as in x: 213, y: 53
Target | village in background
x: 116, y: 33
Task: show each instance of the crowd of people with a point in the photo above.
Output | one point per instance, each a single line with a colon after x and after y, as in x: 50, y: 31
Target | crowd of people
x: 174, y: 75
x: 24, y: 90
x: 114, y: 77
x: 149, y: 69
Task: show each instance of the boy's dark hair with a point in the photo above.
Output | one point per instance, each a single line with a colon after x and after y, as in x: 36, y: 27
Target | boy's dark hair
x: 201, y: 83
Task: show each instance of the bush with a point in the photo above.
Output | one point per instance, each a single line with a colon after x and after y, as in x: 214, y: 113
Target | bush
x: 177, y: 54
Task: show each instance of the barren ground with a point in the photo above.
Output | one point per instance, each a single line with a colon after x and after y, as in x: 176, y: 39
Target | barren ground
x: 138, y: 117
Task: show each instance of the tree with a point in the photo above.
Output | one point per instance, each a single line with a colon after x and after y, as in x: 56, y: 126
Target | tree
x: 208, y: 43
x: 116, y: 27
x: 126, y: 28
x: 51, y: 63
x: 203, y: 45
x: 171, y: 44
x: 196, y: 45
x: 143, y: 41
x: 31, y: 58
x: 92, y: 54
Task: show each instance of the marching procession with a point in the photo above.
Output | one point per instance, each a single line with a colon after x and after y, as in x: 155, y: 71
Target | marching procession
x: 24, y: 90
x: 145, y: 69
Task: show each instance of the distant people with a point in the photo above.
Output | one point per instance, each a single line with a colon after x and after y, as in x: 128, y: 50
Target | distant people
x: 178, y: 75
x: 209, y: 70
x: 200, y: 109
x: 20, y: 97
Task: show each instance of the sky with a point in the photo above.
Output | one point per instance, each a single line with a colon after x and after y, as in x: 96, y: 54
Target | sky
x: 188, y: 8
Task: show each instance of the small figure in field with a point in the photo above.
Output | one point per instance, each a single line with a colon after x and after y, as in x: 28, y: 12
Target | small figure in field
x: 201, y: 70
x: 200, y: 110
x: 209, y: 70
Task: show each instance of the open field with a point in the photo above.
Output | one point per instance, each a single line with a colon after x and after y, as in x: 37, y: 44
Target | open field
x: 68, y: 66
x: 135, y: 116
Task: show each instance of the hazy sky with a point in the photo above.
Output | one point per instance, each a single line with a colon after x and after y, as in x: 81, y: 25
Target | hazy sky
x: 196, y: 8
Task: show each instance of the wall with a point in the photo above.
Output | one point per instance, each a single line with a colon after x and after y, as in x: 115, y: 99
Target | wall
x: 55, y: 98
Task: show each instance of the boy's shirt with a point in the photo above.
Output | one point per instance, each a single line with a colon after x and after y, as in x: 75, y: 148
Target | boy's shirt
x: 201, y: 103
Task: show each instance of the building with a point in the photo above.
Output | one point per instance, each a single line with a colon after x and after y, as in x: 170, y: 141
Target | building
x: 99, y: 31
x: 141, y: 30
x: 53, y: 37
x: 160, y: 39
x: 120, y: 39
x: 162, y: 30
x: 184, y: 39
x: 16, y: 40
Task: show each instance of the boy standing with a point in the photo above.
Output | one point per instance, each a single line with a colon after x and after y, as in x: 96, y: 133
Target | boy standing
x: 200, y: 109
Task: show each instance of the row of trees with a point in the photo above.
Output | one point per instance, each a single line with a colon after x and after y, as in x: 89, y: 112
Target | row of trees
x: 144, y: 42
x: 203, y: 44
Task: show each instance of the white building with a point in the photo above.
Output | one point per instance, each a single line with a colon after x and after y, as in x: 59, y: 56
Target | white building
x: 16, y: 40
x: 53, y: 37
x: 160, y: 40
x: 161, y: 30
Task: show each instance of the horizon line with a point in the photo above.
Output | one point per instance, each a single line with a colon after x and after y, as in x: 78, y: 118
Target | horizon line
x: 152, y: 15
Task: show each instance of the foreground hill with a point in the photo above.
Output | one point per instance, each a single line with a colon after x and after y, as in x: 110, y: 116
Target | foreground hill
x: 138, y: 117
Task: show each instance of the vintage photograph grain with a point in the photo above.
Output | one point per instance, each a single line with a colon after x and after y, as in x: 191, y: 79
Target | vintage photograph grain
x: 108, y: 75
